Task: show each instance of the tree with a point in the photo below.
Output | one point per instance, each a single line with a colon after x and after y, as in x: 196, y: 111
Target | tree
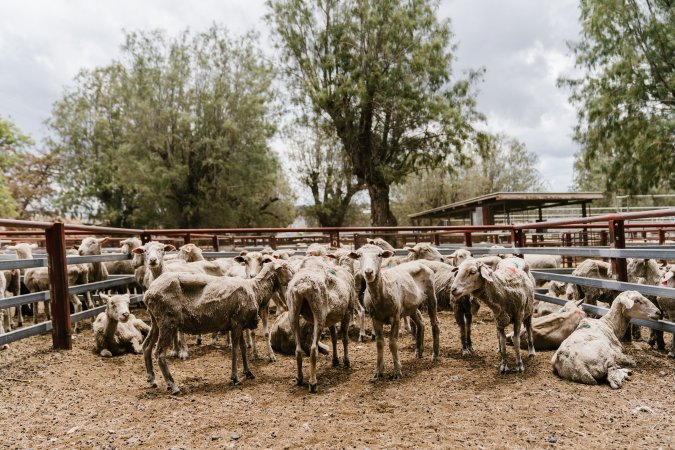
x: 326, y: 172
x: 175, y: 133
x: 13, y: 145
x: 32, y: 184
x: 499, y: 164
x: 379, y: 71
x: 626, y: 96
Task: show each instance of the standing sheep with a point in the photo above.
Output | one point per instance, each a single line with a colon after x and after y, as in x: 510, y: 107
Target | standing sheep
x: 667, y: 304
x: 393, y: 295
x: 509, y: 293
x: 197, y: 304
x: 593, y: 351
x: 124, y: 267
x: 117, y: 331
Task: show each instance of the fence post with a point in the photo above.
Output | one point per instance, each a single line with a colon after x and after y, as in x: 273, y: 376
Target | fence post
x: 617, y: 233
x: 662, y: 236
x: 145, y: 238
x: 186, y: 239
x: 216, y: 244
x: 58, y: 286
x: 518, y: 239
x: 437, y: 239
x: 273, y: 242
x: 467, y: 239
x: 335, y: 239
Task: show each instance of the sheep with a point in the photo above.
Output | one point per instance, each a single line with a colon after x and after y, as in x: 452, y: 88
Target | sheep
x: 124, y: 267
x: 555, y: 289
x: 13, y: 277
x: 37, y: 280
x: 89, y: 247
x: 509, y: 292
x: 591, y: 268
x: 315, y: 249
x: 116, y: 331
x: 193, y: 303
x: 13, y: 285
x: 352, y: 266
x: 544, y: 261
x: 593, y: 351
x: 646, y: 271
x: 397, y: 293
x: 667, y: 304
x: 283, y: 341
x: 5, y: 316
x: 190, y: 253
x: 549, y: 331
x: 323, y: 295
x: 384, y: 245
x: 458, y: 256
x: 424, y: 251
x: 284, y: 254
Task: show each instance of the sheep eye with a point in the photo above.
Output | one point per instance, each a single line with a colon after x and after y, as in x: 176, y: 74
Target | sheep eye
x: 474, y: 271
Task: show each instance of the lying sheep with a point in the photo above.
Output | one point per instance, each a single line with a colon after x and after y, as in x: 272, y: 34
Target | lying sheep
x: 593, y: 352
x: 549, y: 331
x: 646, y: 271
x: 324, y: 296
x: 509, y: 292
x: 197, y: 304
x: 395, y: 294
x: 283, y: 341
x: 117, y: 331
x: 555, y: 289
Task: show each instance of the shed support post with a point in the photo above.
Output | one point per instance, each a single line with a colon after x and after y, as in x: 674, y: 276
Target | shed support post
x: 58, y: 287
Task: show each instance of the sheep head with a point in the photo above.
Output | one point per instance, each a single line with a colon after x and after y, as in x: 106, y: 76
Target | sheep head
x: 370, y: 258
x: 471, y: 276
x: 459, y: 256
x: 190, y: 253
x: 424, y: 251
x: 117, y: 307
x: 23, y: 250
x: 252, y: 261
x: 153, y: 252
x: 636, y: 306
x: 128, y: 245
x: 91, y: 246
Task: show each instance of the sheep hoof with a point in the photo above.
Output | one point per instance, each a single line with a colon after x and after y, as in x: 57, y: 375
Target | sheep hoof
x: 199, y: 341
x: 435, y: 358
x: 236, y: 381
x: 346, y: 363
x: 378, y: 376
x: 299, y: 382
x: 313, y: 388
x: 336, y: 362
x: 362, y: 337
x: 671, y: 354
x: 396, y: 376
x: 249, y: 375
x: 503, y: 368
x: 272, y: 359
x: 152, y: 383
x: 175, y: 390
x: 466, y: 352
x: 106, y: 353
x: 183, y: 355
x: 519, y: 368
x: 173, y: 353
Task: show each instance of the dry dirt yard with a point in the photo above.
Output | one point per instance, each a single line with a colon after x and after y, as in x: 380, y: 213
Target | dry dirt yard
x: 76, y: 399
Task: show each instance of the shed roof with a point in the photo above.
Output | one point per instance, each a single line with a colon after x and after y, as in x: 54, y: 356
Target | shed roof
x: 509, y: 201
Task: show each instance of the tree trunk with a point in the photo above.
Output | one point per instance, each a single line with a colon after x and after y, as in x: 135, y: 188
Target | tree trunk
x: 380, y: 214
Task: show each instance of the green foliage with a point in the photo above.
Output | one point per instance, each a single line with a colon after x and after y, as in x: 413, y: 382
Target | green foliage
x: 499, y: 164
x: 379, y: 71
x: 13, y: 145
x: 174, y: 134
x: 626, y: 97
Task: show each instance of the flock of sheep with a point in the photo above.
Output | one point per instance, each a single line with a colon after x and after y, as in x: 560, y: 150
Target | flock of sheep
x: 227, y: 297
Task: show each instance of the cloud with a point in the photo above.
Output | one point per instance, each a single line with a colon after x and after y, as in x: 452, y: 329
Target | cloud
x: 521, y: 43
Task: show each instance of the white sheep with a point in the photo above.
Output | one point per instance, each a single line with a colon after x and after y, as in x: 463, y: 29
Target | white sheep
x: 549, y: 331
x: 667, y: 304
x: 509, y: 292
x: 124, y: 267
x: 323, y: 295
x: 196, y: 304
x: 5, y: 315
x: 424, y: 251
x: 593, y: 352
x: 394, y: 294
x: 117, y: 331
x: 591, y: 268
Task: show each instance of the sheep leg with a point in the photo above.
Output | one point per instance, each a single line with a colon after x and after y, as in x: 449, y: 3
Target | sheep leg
x: 530, y: 339
x: 393, y: 348
x: 419, y: 337
x: 362, y: 323
x: 504, y: 367
x: 516, y: 345
x: 468, y: 318
x: 318, y: 326
x: 264, y: 315
x: 183, y: 347
x: 344, y: 329
x: 250, y: 342
x: 164, y: 342
x: 616, y: 376
x: 19, y: 314
x: 459, y: 318
x: 379, y: 339
x: 237, y: 339
x: 77, y: 303
x: 295, y: 328
x: 35, y: 313
x: 672, y: 347
x: 333, y: 340
x: 48, y: 310
x: 3, y: 319
x: 656, y: 338
x: 432, y: 305
x: 244, y: 359
x: 148, y: 345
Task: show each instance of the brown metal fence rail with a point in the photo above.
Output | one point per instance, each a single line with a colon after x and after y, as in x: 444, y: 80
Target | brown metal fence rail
x: 613, y: 246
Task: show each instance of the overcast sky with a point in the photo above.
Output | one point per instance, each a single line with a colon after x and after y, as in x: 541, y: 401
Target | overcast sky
x: 521, y: 43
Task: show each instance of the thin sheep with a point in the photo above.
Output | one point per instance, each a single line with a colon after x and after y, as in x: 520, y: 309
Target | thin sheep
x: 509, y: 292
x: 593, y: 351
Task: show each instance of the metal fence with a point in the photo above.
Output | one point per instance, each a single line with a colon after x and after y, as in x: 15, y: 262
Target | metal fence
x: 544, y: 238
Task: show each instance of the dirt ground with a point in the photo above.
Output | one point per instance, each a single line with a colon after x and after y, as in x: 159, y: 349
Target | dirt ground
x: 76, y: 399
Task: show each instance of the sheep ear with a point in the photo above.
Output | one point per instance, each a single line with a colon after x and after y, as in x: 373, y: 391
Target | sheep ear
x: 290, y: 252
x: 103, y: 240
x: 239, y: 259
x: 331, y: 256
x: 243, y: 252
x: 74, y: 247
x: 11, y: 247
x: 386, y: 254
x: 486, y: 273
x: 353, y: 255
x: 410, y: 250
x: 580, y: 302
x: 138, y: 250
x: 453, y: 254
x: 454, y: 269
x: 627, y: 302
x: 104, y: 297
x: 169, y: 248
x: 267, y: 259
x: 33, y: 245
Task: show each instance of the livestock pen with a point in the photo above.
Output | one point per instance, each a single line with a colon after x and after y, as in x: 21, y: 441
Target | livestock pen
x: 77, y: 399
